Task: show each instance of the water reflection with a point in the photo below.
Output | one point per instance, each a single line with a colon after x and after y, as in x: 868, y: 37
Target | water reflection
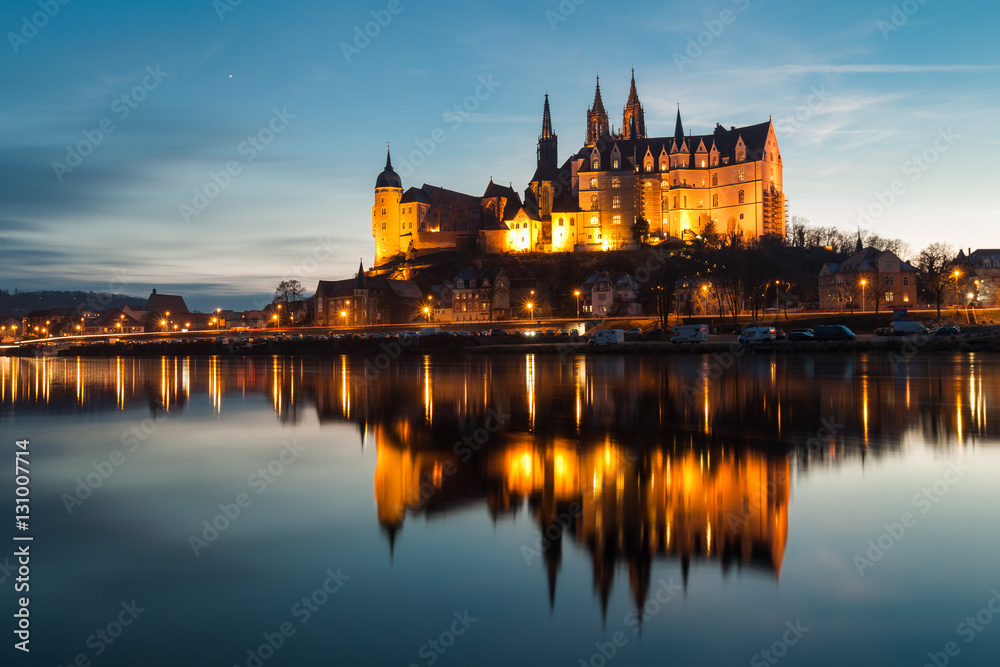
x: 629, y: 458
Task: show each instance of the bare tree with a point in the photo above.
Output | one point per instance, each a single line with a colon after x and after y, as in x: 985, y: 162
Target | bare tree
x: 935, y: 271
x: 288, y: 291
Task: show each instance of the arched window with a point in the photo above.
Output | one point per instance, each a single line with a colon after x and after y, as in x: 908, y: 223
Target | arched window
x: 743, y: 197
x: 593, y: 184
x: 715, y: 180
x: 561, y: 222
x: 594, y: 220
x: 663, y: 165
x: 597, y: 164
x: 593, y: 202
x: 649, y: 166
x: 664, y: 185
x: 545, y: 200
x: 740, y: 156
x: 715, y: 201
x: 614, y: 164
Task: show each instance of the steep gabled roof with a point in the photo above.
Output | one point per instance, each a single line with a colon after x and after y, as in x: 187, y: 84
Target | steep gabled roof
x: 161, y: 303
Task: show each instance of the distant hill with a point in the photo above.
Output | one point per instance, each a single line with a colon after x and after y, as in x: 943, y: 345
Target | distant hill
x: 19, y: 303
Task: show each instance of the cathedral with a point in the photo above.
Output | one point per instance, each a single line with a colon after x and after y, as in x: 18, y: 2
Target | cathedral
x: 679, y: 184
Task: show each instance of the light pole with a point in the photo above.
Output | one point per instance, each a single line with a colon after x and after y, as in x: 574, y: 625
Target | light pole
x: 531, y: 311
x: 577, y: 295
x: 863, y: 283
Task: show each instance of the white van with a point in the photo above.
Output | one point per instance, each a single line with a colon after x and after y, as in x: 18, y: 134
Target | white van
x: 757, y: 335
x: 690, y: 333
x: 608, y: 337
x: 904, y: 328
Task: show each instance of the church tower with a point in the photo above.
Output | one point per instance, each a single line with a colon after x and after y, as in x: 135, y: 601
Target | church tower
x: 548, y: 142
x: 385, y: 213
x: 597, y: 118
x: 633, y: 120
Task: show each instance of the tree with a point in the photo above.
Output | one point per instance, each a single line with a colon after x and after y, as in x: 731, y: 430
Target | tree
x: 640, y: 231
x: 935, y: 271
x: 288, y: 291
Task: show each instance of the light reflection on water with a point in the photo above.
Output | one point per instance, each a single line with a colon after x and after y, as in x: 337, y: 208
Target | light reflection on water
x: 557, y: 497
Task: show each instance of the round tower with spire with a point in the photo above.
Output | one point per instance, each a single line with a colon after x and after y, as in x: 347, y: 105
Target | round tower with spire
x: 385, y: 213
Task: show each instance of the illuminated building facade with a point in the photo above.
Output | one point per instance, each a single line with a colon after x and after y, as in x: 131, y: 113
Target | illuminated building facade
x: 730, y: 179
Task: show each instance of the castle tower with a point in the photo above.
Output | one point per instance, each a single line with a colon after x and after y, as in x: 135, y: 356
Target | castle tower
x: 597, y: 118
x: 385, y: 213
x: 548, y: 142
x: 633, y: 120
x: 360, y: 309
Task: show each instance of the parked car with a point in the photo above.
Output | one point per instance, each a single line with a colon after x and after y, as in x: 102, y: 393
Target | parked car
x: 690, y: 333
x: 946, y: 330
x: 633, y: 332
x: 656, y: 332
x: 904, y: 328
x: 608, y: 337
x: 833, y: 332
x: 779, y: 334
x: 801, y: 335
x: 757, y: 335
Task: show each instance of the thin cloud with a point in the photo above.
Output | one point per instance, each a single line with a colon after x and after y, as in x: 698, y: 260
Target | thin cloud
x: 875, y: 69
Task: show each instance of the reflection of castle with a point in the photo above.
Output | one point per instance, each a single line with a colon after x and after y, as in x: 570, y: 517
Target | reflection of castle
x: 623, y: 508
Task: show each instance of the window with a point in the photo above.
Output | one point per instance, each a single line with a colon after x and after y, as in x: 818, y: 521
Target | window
x: 663, y: 165
x: 685, y: 201
x: 715, y: 180
x: 906, y: 281
x: 614, y: 164
x: 383, y: 211
x: 741, y: 216
x: 616, y: 182
x: 593, y: 184
x: 593, y: 202
x: 594, y: 220
x: 616, y: 202
x: 890, y: 281
x: 649, y: 185
x: 715, y: 160
x: 649, y: 166
x: 889, y: 297
x: 572, y: 222
x: 561, y: 222
x: 675, y: 201
x: 383, y: 225
x: 743, y: 197
x: 740, y: 156
x: 741, y: 176
x: 617, y: 220
x: 715, y: 201
x: 664, y: 185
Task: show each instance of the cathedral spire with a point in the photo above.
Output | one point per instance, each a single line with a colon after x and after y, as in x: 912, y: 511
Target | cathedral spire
x: 679, y: 127
x: 548, y: 142
x: 633, y: 119
x: 597, y: 117
x: 547, y: 120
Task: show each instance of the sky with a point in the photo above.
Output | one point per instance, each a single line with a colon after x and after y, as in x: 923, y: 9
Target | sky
x: 212, y: 148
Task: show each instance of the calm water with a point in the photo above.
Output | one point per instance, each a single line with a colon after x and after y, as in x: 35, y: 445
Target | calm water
x: 522, y: 510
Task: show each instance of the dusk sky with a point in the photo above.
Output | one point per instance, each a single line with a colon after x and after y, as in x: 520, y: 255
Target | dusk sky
x: 866, y: 98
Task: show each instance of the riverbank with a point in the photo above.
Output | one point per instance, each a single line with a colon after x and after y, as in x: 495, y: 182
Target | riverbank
x: 906, y: 346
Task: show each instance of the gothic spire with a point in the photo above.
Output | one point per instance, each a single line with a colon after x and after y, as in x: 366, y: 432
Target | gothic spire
x: 679, y: 127
x: 633, y: 120
x: 598, y: 102
x: 546, y: 120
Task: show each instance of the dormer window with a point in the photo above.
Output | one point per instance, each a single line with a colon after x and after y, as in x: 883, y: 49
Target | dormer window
x: 614, y: 164
x: 597, y: 164
x: 472, y: 284
x: 740, y: 156
x: 663, y: 165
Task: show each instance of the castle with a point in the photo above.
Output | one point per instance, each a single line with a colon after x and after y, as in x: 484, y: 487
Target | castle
x: 731, y: 179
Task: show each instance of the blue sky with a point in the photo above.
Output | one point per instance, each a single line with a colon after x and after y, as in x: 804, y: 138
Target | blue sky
x: 868, y: 99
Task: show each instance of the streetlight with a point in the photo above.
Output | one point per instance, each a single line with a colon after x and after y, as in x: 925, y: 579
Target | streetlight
x: 577, y: 295
x: 863, y: 283
x: 531, y: 311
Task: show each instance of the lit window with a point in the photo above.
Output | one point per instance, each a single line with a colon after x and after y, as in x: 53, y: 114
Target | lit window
x: 616, y: 202
x: 594, y: 220
x: 649, y: 166
x: 616, y: 182
x: 741, y: 176
x: 614, y: 164
x: 593, y: 202
x: 715, y: 180
x: 740, y: 156
x: 663, y: 166
x: 617, y: 220
x: 593, y: 184
x: 597, y: 163
x: 889, y: 297
x: 715, y: 201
